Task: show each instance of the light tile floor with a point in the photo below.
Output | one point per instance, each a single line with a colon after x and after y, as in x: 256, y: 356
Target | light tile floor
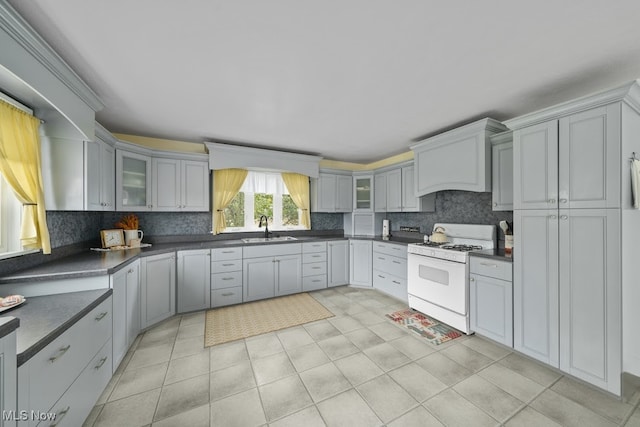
x: 355, y: 369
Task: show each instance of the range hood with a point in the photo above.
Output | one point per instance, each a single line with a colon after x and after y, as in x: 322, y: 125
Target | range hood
x: 459, y: 159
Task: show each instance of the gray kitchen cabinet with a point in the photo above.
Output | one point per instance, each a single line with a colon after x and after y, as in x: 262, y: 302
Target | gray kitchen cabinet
x: 133, y: 181
x: 380, y: 192
x: 459, y: 159
x: 411, y: 202
x: 589, y: 159
x: 363, y: 192
x: 180, y: 185
x: 502, y: 171
x: 314, y: 266
x: 100, y: 164
x: 270, y: 270
x: 67, y: 376
x: 535, y: 162
x: 394, y: 190
x: 226, y: 276
x: 590, y: 295
x: 389, y: 273
x: 535, y: 284
x: 126, y: 309
x: 572, y: 162
x: 360, y: 260
x: 8, y: 378
x: 158, y: 288
x: 491, y: 299
x: 331, y: 192
x: 337, y: 262
x: 194, y: 280
x: 79, y: 175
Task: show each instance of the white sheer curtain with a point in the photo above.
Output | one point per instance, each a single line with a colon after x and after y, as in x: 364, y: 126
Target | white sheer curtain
x: 264, y: 182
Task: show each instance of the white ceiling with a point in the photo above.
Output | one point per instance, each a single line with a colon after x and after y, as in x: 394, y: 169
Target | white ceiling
x: 352, y: 80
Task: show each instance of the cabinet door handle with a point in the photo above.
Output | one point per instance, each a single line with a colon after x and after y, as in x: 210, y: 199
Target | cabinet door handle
x: 59, y: 416
x: 100, y: 363
x: 227, y: 294
x: 130, y: 271
x: 564, y: 217
x: 552, y: 201
x: 471, y: 279
x: 495, y: 205
x: 100, y: 316
x: 552, y: 217
x: 486, y: 264
x: 61, y: 353
x: 563, y: 200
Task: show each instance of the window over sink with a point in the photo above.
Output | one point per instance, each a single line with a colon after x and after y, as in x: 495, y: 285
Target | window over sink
x: 263, y: 193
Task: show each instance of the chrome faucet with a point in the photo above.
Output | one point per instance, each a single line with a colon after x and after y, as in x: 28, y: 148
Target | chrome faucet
x: 266, y: 225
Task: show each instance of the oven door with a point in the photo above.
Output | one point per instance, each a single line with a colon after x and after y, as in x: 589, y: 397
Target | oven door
x: 440, y: 282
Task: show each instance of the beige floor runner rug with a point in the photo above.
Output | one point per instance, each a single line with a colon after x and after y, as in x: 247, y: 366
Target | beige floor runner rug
x: 258, y: 317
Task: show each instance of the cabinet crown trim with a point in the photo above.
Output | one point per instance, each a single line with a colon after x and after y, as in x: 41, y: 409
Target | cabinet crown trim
x: 628, y: 93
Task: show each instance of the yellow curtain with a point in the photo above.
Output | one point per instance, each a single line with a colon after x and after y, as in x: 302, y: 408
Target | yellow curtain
x: 20, y: 166
x: 226, y: 184
x: 298, y: 186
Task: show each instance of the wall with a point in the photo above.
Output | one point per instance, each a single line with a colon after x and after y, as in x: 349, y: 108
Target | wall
x: 461, y: 207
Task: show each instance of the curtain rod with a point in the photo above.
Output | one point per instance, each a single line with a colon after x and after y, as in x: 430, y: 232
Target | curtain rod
x: 9, y: 100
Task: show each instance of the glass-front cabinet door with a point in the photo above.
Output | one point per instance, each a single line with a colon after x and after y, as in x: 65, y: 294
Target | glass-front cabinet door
x: 363, y: 193
x: 133, y: 181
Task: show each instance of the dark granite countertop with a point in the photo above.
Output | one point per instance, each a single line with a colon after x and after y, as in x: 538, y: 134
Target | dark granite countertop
x: 44, y: 318
x: 497, y: 253
x: 8, y: 324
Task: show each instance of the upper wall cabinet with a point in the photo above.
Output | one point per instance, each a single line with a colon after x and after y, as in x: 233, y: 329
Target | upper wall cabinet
x: 149, y: 180
x: 502, y: 171
x: 331, y: 192
x: 180, y: 185
x: 363, y: 192
x: 394, y: 191
x: 79, y: 175
x: 459, y: 159
x: 571, y: 162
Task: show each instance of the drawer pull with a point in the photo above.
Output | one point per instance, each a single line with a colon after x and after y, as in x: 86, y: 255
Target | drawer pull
x: 396, y: 248
x: 396, y: 282
x: 382, y: 277
x: 228, y: 264
x: 228, y: 294
x: 100, y: 316
x: 60, y: 415
x: 227, y: 278
x: 382, y: 258
x: 316, y: 268
x: 100, y: 363
x: 486, y: 264
x: 316, y: 281
x: 61, y: 352
x: 396, y: 262
x: 228, y: 252
x: 316, y: 256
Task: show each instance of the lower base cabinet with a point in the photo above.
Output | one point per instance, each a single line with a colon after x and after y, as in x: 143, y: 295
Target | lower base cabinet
x: 67, y: 377
x: 360, y: 260
x: 337, y: 263
x: 126, y: 309
x: 8, y: 378
x: 491, y: 299
x: 194, y: 280
x: 158, y: 288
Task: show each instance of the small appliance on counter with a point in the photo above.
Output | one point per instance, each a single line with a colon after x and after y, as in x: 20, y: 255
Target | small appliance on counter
x: 386, y: 228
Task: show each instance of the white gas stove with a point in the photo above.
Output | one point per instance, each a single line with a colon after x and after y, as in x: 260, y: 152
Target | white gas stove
x: 438, y: 274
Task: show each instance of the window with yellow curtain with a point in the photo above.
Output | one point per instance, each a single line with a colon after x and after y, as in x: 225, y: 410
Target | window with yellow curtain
x: 20, y: 166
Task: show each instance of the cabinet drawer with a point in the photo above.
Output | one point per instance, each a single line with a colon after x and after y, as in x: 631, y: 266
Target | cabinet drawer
x: 491, y: 268
x: 226, y: 280
x: 314, y: 257
x: 227, y: 296
x: 226, y: 266
x: 52, y: 370
x: 221, y: 254
x: 390, y: 284
x: 314, y: 268
x: 390, y: 249
x: 390, y: 264
x: 312, y: 283
x: 76, y: 403
x: 309, y: 247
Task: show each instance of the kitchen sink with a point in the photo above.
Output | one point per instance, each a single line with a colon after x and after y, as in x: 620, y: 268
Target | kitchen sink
x: 268, y: 239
